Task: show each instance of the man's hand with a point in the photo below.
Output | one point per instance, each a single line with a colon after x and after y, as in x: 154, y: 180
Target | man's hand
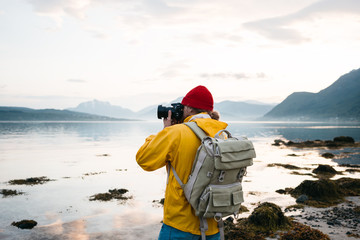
x: 168, y: 121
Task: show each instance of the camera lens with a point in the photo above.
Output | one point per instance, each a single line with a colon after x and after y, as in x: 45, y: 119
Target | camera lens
x: 162, y: 112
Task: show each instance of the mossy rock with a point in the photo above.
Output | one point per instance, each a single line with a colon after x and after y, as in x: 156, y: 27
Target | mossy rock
x: 325, y: 171
x: 321, y: 193
x: 25, y: 224
x: 344, y: 139
x: 111, y: 194
x: 287, y: 166
x: 338, y: 142
x: 9, y: 192
x: 30, y: 181
x: 326, y: 192
x: 328, y: 155
x: 349, y: 186
x: 268, y: 221
x: 269, y: 217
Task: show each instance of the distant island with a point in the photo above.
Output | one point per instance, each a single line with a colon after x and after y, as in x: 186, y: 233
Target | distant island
x: 28, y: 114
x: 338, y: 102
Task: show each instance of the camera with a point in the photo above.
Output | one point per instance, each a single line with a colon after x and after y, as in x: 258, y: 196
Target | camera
x: 177, y: 110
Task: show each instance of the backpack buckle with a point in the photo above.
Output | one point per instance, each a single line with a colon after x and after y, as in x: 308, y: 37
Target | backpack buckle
x: 221, y: 176
x: 218, y: 217
x: 241, y: 173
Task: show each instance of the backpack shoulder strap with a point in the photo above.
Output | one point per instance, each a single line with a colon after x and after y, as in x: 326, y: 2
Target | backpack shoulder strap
x: 196, y: 129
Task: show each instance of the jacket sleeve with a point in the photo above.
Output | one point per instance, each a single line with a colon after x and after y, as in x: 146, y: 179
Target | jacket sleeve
x: 157, y: 150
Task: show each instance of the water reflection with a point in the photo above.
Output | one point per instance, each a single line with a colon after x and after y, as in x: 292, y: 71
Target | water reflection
x: 94, y: 131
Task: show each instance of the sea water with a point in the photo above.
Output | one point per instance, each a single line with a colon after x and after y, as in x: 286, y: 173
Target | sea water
x: 86, y: 158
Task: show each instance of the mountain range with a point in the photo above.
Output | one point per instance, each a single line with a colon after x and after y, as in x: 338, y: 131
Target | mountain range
x: 339, y: 101
x: 29, y: 114
x: 229, y: 110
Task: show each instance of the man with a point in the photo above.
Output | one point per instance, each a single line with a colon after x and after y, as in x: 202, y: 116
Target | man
x: 177, y: 144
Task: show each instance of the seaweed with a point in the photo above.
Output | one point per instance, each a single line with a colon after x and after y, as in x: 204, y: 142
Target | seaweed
x: 9, y: 192
x: 110, y: 195
x: 93, y: 173
x: 303, y: 232
x: 351, y: 170
x: 301, y: 174
x: 294, y: 207
x: 30, y: 181
x: 243, y: 209
x: 287, y: 166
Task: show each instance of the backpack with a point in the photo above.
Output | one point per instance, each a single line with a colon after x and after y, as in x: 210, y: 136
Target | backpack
x: 214, y: 187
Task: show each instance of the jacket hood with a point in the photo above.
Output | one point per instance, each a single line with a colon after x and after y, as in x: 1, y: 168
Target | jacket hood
x: 210, y: 126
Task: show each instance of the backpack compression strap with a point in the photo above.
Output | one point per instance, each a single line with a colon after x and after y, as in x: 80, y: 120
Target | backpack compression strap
x: 196, y: 129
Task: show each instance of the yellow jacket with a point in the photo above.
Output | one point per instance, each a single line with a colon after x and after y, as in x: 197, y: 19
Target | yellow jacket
x: 177, y: 144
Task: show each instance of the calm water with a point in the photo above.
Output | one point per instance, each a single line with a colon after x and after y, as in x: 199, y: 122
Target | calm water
x: 85, y: 158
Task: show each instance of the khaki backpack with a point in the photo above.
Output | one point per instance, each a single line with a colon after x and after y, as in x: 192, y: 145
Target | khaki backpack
x: 214, y: 187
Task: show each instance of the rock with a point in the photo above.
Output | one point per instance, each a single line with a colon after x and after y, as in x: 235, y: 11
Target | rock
x: 321, y: 193
x: 325, y: 169
x: 302, y: 199
x: 30, y: 181
x: 325, y: 192
x: 281, y: 191
x: 25, y: 224
x: 344, y: 139
x: 9, y: 192
x: 338, y: 142
x: 268, y: 216
x: 278, y: 142
x: 328, y: 155
x: 111, y: 194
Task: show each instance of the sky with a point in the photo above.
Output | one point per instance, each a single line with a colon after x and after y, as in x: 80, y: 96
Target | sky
x: 136, y: 53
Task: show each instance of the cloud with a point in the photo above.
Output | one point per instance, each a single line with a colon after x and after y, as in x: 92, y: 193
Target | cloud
x: 57, y: 10
x: 97, y: 33
x: 209, y: 38
x: 173, y: 70
x: 3, y: 87
x: 158, y: 8
x: 230, y: 76
x: 283, y: 28
x: 74, y: 80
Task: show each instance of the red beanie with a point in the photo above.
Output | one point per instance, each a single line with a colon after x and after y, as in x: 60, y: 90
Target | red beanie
x: 200, y: 98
